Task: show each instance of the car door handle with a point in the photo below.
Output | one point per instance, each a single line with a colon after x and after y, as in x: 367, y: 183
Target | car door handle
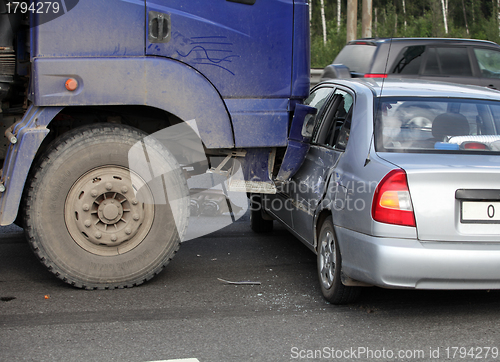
x: 159, y: 27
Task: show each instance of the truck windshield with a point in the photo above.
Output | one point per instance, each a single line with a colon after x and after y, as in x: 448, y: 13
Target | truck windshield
x: 437, y: 125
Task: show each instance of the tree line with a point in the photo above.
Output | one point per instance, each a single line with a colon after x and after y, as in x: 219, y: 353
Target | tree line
x: 475, y: 19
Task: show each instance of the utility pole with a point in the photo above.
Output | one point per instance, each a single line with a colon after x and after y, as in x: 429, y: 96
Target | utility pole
x: 366, y: 20
x: 352, y: 19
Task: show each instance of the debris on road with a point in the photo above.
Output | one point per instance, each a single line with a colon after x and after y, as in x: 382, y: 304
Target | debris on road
x: 239, y: 283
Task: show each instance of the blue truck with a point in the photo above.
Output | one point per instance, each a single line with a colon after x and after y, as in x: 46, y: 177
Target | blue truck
x: 86, y: 86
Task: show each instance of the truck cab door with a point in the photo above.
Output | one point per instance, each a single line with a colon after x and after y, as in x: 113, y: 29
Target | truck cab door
x: 244, y: 47
x: 301, y: 130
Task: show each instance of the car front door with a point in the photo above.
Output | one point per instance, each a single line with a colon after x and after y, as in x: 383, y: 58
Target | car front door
x: 488, y: 61
x: 281, y: 204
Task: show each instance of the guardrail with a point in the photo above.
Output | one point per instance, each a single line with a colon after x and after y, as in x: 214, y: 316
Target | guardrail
x: 315, y: 76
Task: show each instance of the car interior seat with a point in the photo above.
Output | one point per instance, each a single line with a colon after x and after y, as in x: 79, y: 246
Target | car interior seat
x: 449, y: 124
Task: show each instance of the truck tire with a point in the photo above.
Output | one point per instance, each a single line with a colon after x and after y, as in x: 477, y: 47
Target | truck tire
x: 94, y: 222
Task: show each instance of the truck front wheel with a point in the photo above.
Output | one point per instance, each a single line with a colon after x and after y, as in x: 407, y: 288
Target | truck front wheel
x: 99, y: 217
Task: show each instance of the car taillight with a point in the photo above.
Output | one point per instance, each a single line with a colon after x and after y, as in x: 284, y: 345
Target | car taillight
x: 375, y: 75
x: 362, y: 42
x: 474, y: 146
x: 392, y: 202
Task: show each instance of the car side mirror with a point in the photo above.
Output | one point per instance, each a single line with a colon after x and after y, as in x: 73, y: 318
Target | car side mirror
x: 335, y: 71
x: 304, y: 119
x: 308, y: 127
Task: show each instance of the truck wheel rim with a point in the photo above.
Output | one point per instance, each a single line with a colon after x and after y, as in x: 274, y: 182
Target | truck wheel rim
x: 109, y: 210
x: 327, y: 259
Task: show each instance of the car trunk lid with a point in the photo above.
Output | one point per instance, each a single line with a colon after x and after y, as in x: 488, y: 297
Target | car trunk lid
x: 456, y: 197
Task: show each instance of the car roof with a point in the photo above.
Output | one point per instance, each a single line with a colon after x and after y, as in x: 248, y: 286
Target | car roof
x: 415, y: 88
x: 457, y: 41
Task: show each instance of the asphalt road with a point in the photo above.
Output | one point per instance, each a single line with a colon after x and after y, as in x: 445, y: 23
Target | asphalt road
x: 187, y: 313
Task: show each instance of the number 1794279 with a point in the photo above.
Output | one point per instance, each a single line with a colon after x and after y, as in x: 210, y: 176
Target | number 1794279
x: 35, y: 7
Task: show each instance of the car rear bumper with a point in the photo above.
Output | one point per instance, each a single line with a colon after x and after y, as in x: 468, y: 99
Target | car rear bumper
x: 409, y: 263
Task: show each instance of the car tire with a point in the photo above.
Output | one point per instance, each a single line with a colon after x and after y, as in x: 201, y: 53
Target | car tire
x: 329, y: 264
x: 258, y: 223
x: 94, y: 222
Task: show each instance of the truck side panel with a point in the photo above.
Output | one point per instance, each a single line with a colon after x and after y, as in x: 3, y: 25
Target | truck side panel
x: 259, y: 122
x: 93, y: 28
x: 301, y: 55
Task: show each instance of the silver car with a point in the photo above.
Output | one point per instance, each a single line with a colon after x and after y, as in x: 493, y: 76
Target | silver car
x: 399, y: 188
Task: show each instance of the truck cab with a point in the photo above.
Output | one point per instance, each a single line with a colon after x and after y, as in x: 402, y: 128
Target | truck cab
x: 90, y: 90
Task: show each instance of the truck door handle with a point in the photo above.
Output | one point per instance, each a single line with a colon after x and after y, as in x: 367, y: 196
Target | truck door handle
x: 248, y: 2
x: 159, y: 27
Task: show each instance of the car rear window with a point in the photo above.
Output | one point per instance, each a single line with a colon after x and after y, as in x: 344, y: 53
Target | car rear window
x: 356, y: 57
x: 437, y: 125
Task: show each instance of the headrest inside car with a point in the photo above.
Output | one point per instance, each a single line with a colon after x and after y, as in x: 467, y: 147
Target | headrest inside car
x: 450, y: 124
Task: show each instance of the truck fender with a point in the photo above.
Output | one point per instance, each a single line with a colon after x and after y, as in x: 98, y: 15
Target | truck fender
x: 153, y: 81
x: 30, y: 132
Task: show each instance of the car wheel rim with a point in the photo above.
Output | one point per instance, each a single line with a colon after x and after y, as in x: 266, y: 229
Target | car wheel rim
x: 109, y: 211
x: 327, y: 259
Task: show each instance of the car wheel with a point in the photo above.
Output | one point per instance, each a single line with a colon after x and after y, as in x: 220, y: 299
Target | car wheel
x: 257, y: 222
x: 329, y: 265
x: 94, y: 222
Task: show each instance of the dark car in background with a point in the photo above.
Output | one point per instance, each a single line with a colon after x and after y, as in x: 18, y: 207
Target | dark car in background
x: 464, y: 61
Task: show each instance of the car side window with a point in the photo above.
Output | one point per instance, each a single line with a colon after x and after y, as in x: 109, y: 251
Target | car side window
x: 448, y: 61
x: 488, y: 61
x: 345, y: 130
x: 409, y: 60
x: 336, y: 123
x: 319, y: 97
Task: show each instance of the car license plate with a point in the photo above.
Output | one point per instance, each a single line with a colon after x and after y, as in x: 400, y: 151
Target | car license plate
x: 480, y: 212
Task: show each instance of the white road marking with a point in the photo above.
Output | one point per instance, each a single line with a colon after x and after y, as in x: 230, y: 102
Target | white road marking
x: 179, y: 360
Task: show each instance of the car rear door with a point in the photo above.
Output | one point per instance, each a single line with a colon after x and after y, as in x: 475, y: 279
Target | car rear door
x: 309, y: 185
x: 453, y: 64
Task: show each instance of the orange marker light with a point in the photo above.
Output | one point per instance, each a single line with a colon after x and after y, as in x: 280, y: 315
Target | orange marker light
x: 71, y: 84
x: 390, y: 200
